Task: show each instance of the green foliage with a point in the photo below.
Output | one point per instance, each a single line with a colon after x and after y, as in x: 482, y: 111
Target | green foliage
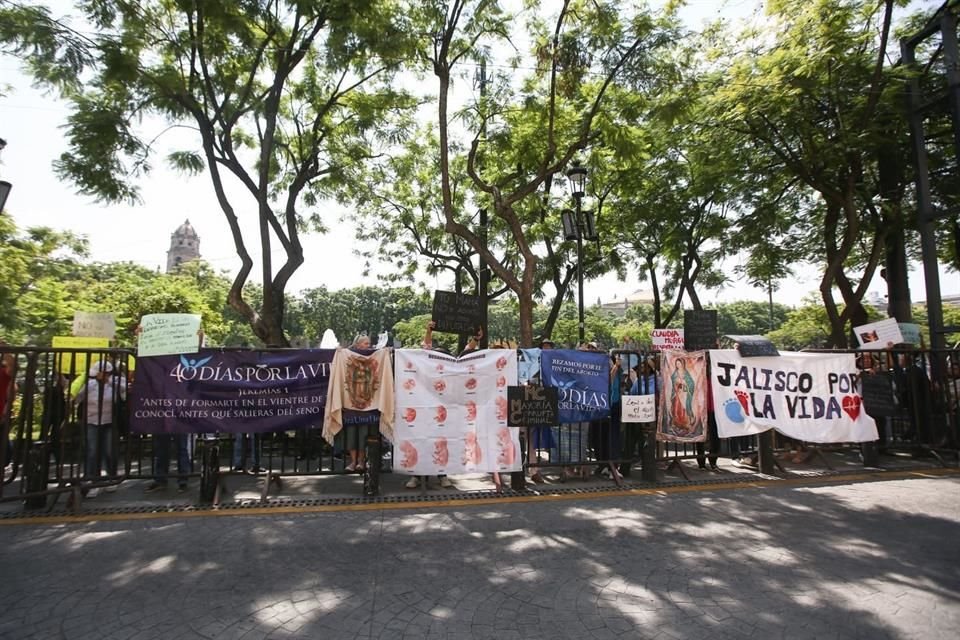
x: 808, y: 327
x: 749, y: 318
x: 284, y: 96
x: 33, y: 263
x: 350, y: 312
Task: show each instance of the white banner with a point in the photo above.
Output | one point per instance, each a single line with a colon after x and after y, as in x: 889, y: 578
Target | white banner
x: 813, y: 397
x: 638, y: 408
x: 452, y: 414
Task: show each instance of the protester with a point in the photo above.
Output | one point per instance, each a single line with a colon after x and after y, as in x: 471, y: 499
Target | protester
x: 98, y: 399
x: 540, y: 438
x: 8, y: 390
x: 161, y: 461
x: 355, y: 435
x: 644, y: 382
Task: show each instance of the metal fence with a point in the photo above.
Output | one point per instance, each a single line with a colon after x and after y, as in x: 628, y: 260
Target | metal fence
x: 57, y: 444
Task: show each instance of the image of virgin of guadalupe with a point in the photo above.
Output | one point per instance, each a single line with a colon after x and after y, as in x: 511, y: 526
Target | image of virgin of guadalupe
x: 683, y: 408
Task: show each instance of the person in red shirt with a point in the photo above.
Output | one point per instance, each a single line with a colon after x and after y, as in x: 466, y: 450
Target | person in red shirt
x: 8, y: 389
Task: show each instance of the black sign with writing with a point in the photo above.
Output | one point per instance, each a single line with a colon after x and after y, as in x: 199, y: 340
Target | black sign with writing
x: 753, y: 346
x: 699, y: 329
x: 532, y: 406
x: 456, y: 312
x: 877, y: 390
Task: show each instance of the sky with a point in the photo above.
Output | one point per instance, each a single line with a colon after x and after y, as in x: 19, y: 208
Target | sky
x: 31, y: 123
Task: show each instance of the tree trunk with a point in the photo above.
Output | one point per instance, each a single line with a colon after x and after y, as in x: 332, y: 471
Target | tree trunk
x: 895, y: 273
x: 526, y: 317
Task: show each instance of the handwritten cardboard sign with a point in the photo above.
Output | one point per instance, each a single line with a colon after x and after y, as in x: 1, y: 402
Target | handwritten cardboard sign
x: 456, y: 312
x: 911, y: 333
x: 699, y: 329
x: 667, y: 339
x: 877, y: 335
x: 87, y: 324
x: 168, y: 334
x: 638, y: 408
x: 532, y: 406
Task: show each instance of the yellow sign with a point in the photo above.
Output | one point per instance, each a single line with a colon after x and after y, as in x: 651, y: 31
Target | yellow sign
x: 76, y: 363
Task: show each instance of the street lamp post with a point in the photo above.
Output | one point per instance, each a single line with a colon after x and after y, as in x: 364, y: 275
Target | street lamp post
x: 576, y: 225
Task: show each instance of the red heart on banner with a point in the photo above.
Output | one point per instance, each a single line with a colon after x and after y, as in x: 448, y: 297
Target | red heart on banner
x: 851, y: 404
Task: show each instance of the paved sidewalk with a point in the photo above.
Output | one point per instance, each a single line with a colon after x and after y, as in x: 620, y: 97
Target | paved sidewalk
x: 851, y: 560
x: 247, y: 489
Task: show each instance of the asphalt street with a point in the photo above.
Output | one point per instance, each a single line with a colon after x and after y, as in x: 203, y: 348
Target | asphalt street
x: 845, y: 559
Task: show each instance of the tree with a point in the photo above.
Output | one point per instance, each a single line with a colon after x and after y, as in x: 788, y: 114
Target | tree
x: 359, y: 310
x: 806, y: 96
x: 283, y: 96
x: 35, y: 267
x: 745, y: 317
x: 521, y: 141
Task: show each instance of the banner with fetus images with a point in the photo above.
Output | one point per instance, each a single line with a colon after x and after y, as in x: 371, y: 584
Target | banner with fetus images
x: 452, y: 413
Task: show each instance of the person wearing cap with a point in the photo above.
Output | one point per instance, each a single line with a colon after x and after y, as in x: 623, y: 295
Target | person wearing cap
x: 99, y: 397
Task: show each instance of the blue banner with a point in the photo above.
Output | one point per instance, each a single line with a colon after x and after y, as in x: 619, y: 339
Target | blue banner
x: 583, y: 381
x: 230, y: 391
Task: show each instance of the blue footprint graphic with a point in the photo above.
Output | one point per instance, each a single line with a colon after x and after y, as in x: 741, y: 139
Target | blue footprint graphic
x: 734, y: 410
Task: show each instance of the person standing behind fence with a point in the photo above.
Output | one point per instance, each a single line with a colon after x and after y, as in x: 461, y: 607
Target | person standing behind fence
x: 54, y: 412
x: 161, y: 460
x: 99, y: 397
x: 644, y: 383
x: 355, y: 435
x: 8, y: 389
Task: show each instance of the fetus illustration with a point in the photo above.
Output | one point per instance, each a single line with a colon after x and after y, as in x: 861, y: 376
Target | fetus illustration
x: 501, y: 382
x: 470, y: 384
x: 506, y: 450
x: 501, y: 363
x: 441, y: 415
x: 471, y: 407
x: 471, y: 449
x: 441, y: 455
x: 408, y: 455
x: 409, y: 414
x: 409, y: 384
x: 439, y: 386
x: 501, y: 404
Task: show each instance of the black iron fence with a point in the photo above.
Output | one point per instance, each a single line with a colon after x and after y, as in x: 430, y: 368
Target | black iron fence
x: 59, y: 439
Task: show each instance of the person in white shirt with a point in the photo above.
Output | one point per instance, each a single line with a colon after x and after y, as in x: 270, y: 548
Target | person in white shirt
x: 99, y: 397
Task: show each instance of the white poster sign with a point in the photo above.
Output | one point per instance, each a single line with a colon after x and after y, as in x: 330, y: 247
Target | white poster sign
x: 168, y: 333
x: 667, y: 339
x: 812, y: 397
x: 451, y: 415
x: 87, y: 324
x: 638, y: 408
x: 879, y: 335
